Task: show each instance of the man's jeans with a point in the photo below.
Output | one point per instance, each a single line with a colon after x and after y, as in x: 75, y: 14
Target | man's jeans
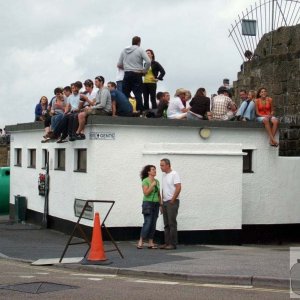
x: 133, y: 82
x: 170, y: 212
x: 149, y: 225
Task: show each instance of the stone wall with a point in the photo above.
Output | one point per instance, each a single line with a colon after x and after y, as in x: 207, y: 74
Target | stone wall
x: 4, y: 152
x: 276, y: 66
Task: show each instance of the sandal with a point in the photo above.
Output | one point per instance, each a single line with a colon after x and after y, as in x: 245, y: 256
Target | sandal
x: 46, y: 140
x: 152, y: 247
x: 61, y: 140
x: 139, y: 247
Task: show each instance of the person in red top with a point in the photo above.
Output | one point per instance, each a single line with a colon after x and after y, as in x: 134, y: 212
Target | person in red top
x: 265, y: 114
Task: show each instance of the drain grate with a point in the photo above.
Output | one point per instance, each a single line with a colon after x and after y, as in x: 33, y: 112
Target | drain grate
x: 37, y: 287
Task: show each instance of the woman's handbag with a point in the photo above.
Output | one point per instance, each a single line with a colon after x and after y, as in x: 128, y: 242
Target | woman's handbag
x: 147, y: 206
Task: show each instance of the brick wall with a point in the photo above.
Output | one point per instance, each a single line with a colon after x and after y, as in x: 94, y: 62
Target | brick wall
x: 290, y: 141
x: 4, y: 152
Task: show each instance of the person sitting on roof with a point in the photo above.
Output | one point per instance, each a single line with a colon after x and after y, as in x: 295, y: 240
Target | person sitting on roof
x: 119, y: 102
x: 222, y: 107
x: 176, y: 109
x: 246, y: 112
x: 199, y: 106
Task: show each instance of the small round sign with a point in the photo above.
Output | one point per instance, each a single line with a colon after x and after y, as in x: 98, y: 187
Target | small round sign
x: 205, y: 133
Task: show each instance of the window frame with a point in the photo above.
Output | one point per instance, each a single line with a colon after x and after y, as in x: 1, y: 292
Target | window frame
x: 249, y: 162
x: 31, y: 158
x: 44, y: 158
x: 59, y: 160
x: 79, y: 157
x: 18, y: 157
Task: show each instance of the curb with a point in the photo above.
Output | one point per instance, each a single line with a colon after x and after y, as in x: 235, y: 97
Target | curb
x: 254, y: 281
x: 260, y: 281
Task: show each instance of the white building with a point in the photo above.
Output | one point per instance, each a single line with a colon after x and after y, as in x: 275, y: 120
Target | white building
x: 219, y: 200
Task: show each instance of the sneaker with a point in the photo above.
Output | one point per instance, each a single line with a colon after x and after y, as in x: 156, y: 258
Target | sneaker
x: 163, y: 246
x: 80, y: 136
x: 136, y: 114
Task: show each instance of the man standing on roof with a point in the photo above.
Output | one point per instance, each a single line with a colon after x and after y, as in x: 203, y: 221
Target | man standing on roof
x: 135, y: 63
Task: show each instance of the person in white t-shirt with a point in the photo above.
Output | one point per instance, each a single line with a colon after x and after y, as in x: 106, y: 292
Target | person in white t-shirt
x: 177, y: 107
x: 171, y: 187
x: 87, y: 99
x: 119, y: 79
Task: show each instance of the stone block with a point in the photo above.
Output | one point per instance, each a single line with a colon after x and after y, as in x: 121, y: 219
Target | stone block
x: 292, y: 145
x: 289, y: 153
x: 282, y: 36
x: 276, y: 88
x: 293, y: 85
x: 292, y: 99
x: 283, y: 145
x: 283, y: 134
x: 282, y: 153
x: 281, y: 70
x: 292, y: 134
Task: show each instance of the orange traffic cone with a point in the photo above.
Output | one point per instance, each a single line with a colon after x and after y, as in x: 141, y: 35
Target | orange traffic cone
x: 96, y: 255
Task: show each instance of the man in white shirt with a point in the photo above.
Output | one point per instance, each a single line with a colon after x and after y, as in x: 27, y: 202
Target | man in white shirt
x: 171, y: 187
x: 176, y: 109
x: 88, y: 99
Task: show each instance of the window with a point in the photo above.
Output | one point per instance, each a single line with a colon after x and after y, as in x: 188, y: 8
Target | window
x: 44, y: 158
x: 80, y: 160
x: 247, y: 161
x: 60, y: 159
x: 18, y: 157
x: 31, y: 158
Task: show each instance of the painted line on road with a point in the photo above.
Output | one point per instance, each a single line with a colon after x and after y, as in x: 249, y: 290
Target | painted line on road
x: 227, y: 286
x: 155, y: 282
x: 209, y: 285
x: 236, y: 287
x: 95, y: 279
x: 26, y: 276
x: 94, y: 275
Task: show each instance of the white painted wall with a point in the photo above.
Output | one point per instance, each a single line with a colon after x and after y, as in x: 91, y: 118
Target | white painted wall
x: 215, y: 192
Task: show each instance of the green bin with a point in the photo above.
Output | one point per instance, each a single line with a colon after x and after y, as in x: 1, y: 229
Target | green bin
x: 20, y: 208
x: 4, y: 190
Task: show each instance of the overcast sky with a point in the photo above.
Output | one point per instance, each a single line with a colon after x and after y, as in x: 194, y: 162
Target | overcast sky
x: 50, y: 43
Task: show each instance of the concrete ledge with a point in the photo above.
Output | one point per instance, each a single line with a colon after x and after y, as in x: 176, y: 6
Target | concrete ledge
x: 125, y: 121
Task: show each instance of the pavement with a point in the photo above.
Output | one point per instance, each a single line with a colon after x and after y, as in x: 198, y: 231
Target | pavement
x: 251, y: 265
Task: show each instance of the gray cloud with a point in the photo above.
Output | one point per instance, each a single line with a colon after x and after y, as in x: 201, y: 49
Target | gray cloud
x: 51, y: 43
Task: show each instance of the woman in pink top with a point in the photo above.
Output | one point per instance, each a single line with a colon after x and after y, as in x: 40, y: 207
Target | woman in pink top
x: 265, y: 114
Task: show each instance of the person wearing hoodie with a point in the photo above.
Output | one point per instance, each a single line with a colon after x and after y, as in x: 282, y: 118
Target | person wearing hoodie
x: 135, y: 63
